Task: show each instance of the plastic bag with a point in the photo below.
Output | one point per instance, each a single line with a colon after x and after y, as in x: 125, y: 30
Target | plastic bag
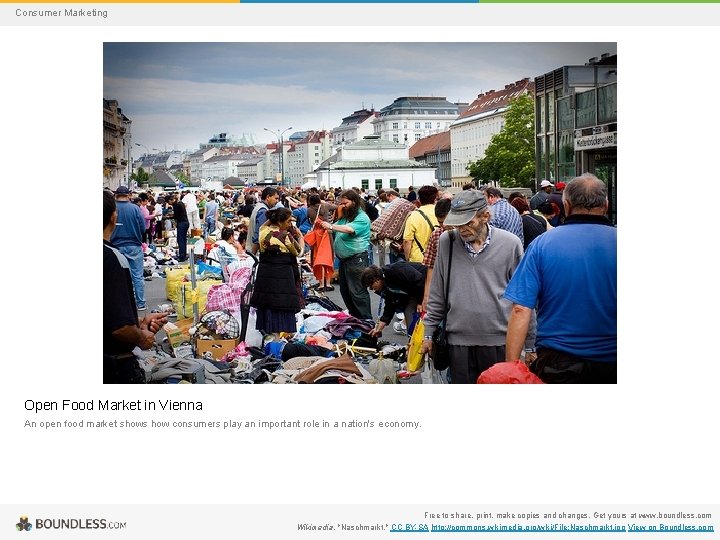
x: 508, y: 373
x: 383, y: 370
x: 430, y: 375
x: 416, y: 358
x: 253, y: 337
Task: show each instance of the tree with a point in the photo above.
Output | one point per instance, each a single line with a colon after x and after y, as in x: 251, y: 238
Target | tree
x: 510, y: 156
x: 140, y: 176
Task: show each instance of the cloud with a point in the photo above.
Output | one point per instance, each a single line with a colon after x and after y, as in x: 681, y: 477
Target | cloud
x: 186, y: 92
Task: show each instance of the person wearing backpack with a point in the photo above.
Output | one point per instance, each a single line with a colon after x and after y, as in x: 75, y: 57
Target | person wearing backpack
x: 420, y: 225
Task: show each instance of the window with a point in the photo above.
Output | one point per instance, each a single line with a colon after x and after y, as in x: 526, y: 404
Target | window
x: 393, y: 183
x: 418, y: 136
x: 607, y: 104
x: 585, y: 109
x: 395, y: 138
x: 396, y: 125
x: 378, y: 183
x: 564, y: 114
x: 417, y: 125
x: 428, y: 125
x: 365, y: 183
x: 404, y: 125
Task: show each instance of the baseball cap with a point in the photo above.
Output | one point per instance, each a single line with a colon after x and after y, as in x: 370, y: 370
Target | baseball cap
x: 122, y: 190
x: 560, y: 185
x: 464, y: 206
x: 545, y: 183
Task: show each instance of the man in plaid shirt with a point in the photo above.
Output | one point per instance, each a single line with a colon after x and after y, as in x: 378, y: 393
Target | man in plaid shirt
x: 504, y: 216
x: 442, y: 208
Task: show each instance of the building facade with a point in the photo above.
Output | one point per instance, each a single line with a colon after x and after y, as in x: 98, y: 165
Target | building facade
x: 196, y: 161
x: 116, y: 146
x: 434, y: 151
x: 354, y: 127
x: 471, y: 133
x: 373, y: 163
x: 576, y: 124
x: 305, y: 156
x: 251, y: 170
x: 409, y: 119
x: 222, y: 167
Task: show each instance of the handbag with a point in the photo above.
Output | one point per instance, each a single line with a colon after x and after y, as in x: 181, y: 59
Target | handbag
x: 440, y: 352
x: 416, y: 358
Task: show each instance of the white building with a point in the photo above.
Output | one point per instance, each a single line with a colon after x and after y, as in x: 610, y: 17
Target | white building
x: 224, y: 166
x: 409, y: 119
x: 471, y: 133
x: 374, y: 163
x: 251, y: 170
x: 305, y: 156
x: 354, y: 127
x: 196, y: 161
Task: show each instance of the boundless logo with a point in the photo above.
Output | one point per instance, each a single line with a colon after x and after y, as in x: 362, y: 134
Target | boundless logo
x: 23, y: 524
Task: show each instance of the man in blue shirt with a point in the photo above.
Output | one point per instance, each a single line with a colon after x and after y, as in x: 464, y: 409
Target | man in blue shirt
x: 570, y: 275
x: 127, y: 238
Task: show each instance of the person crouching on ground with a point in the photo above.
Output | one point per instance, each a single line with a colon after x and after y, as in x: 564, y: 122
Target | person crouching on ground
x: 401, y: 284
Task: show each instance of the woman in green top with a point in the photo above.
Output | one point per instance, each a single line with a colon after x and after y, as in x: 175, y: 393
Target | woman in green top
x: 352, y: 237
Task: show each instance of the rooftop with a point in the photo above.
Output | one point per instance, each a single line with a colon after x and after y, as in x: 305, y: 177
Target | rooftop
x: 497, y: 99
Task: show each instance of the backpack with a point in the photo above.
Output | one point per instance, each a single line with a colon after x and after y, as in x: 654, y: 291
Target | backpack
x: 391, y: 222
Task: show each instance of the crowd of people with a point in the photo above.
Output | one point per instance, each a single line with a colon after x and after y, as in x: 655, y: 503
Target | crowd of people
x: 510, y: 278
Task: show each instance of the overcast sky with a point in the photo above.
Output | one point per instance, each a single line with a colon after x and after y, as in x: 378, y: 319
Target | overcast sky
x: 178, y: 95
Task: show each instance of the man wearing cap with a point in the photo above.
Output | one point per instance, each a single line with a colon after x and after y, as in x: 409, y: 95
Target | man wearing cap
x: 542, y: 195
x: 483, y: 261
x: 569, y: 274
x: 127, y: 238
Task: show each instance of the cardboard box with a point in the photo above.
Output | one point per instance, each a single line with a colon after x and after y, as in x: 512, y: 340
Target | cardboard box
x: 217, y: 347
x: 178, y: 333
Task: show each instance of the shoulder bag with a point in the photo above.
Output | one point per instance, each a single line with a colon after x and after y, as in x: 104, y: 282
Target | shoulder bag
x: 440, y: 352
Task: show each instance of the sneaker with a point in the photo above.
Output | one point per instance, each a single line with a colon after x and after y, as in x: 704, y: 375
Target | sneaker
x: 328, y: 288
x: 400, y: 328
x: 142, y: 308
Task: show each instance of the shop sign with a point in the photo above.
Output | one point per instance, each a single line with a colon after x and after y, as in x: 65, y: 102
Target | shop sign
x: 601, y: 140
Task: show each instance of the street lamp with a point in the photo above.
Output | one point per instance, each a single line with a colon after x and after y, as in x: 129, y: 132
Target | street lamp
x: 280, y: 138
x: 147, y: 150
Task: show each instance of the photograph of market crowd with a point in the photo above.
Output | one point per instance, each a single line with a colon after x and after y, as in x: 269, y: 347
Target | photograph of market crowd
x: 360, y: 213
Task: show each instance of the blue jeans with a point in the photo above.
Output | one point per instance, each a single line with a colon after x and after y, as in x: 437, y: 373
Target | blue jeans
x: 134, y: 255
x: 210, y: 225
x: 182, y: 231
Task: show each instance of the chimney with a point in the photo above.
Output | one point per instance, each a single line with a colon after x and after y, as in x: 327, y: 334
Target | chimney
x: 592, y: 61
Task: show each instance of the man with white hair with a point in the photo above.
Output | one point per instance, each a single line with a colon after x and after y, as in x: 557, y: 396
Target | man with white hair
x: 569, y: 274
